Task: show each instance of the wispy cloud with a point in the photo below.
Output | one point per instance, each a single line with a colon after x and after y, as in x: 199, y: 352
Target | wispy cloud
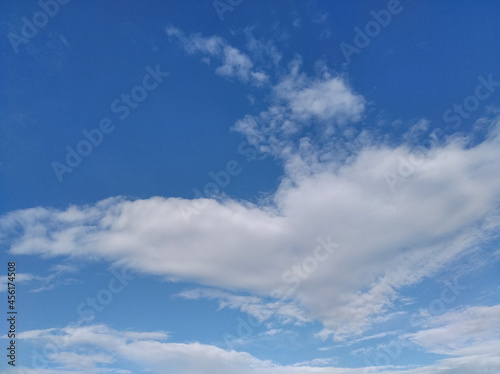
x: 232, y: 62
x: 473, y: 331
x: 42, y: 283
x: 252, y: 305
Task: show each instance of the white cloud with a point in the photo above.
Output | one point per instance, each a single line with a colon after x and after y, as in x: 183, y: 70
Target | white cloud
x: 81, y: 361
x: 330, y: 188
x: 76, y: 347
x: 46, y: 283
x: 265, y: 52
x: 388, y: 239
x: 27, y: 370
x: 252, y: 305
x: 234, y: 63
x: 93, y: 349
x: 20, y: 278
x: 329, y: 98
x: 473, y: 331
x: 417, y: 130
x: 301, y: 105
x: 317, y: 362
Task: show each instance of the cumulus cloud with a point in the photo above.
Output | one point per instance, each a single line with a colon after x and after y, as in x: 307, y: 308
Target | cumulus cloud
x: 301, y: 124
x: 387, y: 239
x: 328, y: 98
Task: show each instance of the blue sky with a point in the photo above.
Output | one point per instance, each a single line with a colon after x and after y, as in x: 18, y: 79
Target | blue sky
x: 251, y: 186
